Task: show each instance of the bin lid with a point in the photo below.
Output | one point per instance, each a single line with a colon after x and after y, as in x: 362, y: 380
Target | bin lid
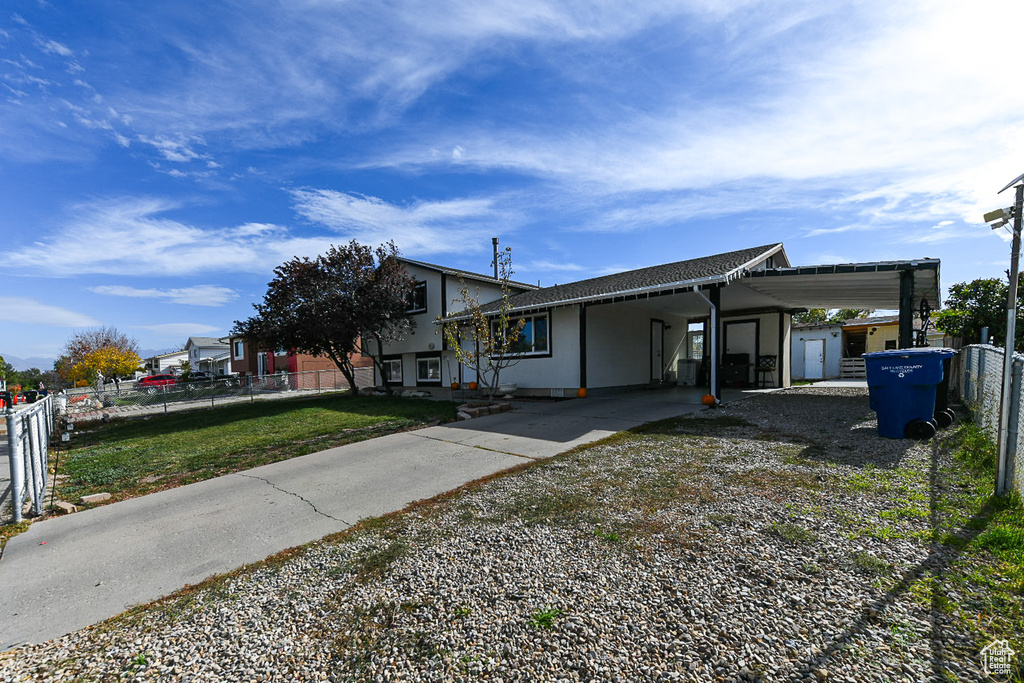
x: 905, y: 353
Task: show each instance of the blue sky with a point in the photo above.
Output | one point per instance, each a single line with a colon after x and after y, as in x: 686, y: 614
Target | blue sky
x: 158, y: 160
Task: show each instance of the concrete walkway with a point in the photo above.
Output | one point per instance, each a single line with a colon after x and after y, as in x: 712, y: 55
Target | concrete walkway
x: 69, y: 572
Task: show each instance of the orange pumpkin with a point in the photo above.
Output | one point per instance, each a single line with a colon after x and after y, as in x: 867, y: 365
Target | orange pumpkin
x: 455, y: 385
x: 582, y: 393
x: 472, y: 386
x: 708, y: 400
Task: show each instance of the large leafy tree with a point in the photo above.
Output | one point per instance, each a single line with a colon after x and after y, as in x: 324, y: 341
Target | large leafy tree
x: 101, y: 350
x: 973, y: 305
x: 324, y: 306
x: 835, y: 316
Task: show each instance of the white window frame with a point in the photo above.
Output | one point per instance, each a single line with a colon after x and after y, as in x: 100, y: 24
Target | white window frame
x: 427, y: 380
x: 239, y: 349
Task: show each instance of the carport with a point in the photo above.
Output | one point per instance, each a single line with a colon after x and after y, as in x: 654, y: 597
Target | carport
x: 911, y: 287
x: 624, y: 330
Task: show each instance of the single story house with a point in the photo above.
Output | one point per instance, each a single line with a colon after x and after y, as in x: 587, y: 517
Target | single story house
x: 634, y: 329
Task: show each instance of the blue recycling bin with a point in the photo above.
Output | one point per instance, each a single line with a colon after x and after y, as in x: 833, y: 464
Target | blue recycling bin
x: 903, y: 385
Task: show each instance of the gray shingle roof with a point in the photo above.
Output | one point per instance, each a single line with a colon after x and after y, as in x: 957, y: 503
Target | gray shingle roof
x: 464, y: 274
x: 711, y: 268
x: 207, y: 342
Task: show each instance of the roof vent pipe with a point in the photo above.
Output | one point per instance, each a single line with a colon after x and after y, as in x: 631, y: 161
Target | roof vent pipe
x: 494, y: 242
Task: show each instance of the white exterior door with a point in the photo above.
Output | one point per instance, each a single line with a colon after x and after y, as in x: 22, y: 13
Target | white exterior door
x: 814, y: 358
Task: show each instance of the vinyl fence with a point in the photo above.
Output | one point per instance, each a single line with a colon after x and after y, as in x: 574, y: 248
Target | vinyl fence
x: 135, y: 397
x: 28, y: 449
x: 981, y: 387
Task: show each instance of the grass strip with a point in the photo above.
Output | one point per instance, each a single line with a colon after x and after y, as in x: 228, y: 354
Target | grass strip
x: 136, y: 457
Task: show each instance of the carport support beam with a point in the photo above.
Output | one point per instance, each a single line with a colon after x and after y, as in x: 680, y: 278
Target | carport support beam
x: 714, y: 299
x: 906, y: 309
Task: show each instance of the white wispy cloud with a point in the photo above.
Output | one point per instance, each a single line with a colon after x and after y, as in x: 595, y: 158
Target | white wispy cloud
x: 131, y: 236
x: 54, y: 48
x: 895, y: 101
x: 179, y: 150
x: 423, y: 227
x: 549, y: 266
x: 28, y: 311
x: 197, y: 295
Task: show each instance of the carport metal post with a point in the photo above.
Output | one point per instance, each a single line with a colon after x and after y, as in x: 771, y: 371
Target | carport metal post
x: 714, y: 323
x: 906, y: 330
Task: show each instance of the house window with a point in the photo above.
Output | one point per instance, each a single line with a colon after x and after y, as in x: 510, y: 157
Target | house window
x: 239, y: 350
x: 533, y: 338
x: 418, y: 298
x: 428, y: 369
x: 393, y: 370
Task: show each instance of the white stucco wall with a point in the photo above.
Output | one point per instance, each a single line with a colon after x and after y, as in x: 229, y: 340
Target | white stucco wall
x: 767, y: 343
x: 426, y: 331
x: 619, y: 344
x: 561, y: 370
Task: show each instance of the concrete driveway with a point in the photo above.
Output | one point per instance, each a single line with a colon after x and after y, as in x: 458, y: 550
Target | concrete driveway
x: 69, y: 572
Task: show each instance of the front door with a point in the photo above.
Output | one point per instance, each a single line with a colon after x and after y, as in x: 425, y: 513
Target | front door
x: 814, y: 358
x: 657, y: 350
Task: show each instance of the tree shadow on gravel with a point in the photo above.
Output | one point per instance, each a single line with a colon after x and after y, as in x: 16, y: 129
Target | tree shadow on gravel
x: 937, y: 565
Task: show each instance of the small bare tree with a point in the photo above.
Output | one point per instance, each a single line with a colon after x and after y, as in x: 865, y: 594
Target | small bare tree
x: 491, y: 331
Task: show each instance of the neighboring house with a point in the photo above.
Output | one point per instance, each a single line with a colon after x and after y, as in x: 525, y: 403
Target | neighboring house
x: 632, y: 329
x: 823, y: 351
x: 166, y: 363
x: 246, y: 361
x: 209, y: 354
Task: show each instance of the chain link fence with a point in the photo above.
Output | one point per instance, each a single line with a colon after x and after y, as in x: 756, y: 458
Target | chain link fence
x: 134, y: 397
x: 981, y: 388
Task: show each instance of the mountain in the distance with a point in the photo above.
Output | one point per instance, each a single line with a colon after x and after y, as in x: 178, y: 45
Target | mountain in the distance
x: 41, y: 362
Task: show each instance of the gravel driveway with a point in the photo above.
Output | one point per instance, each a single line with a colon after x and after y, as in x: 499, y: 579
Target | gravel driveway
x: 776, y: 539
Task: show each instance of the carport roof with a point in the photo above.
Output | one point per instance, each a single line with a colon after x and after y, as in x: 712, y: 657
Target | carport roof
x: 667, y: 278
x: 871, y: 286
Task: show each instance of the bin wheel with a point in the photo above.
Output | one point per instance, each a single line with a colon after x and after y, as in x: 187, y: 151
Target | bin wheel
x: 943, y: 419
x: 952, y: 415
x: 920, y: 430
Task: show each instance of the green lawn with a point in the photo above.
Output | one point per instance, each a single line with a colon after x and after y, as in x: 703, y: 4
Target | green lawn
x: 140, y: 456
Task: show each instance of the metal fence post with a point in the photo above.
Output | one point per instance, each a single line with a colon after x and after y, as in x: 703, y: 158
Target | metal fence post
x: 1013, y: 424
x: 16, y: 462
x: 35, y: 462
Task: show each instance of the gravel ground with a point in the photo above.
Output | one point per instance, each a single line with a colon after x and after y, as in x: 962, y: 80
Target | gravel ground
x: 776, y: 539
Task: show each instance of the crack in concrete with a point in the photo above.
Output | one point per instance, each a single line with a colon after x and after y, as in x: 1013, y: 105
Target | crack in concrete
x: 292, y: 493
x: 482, y: 448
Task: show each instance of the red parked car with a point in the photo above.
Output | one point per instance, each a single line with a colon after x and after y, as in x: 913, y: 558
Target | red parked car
x: 151, y: 383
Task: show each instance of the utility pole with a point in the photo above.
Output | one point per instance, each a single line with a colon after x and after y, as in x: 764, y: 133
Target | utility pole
x: 1001, y: 218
